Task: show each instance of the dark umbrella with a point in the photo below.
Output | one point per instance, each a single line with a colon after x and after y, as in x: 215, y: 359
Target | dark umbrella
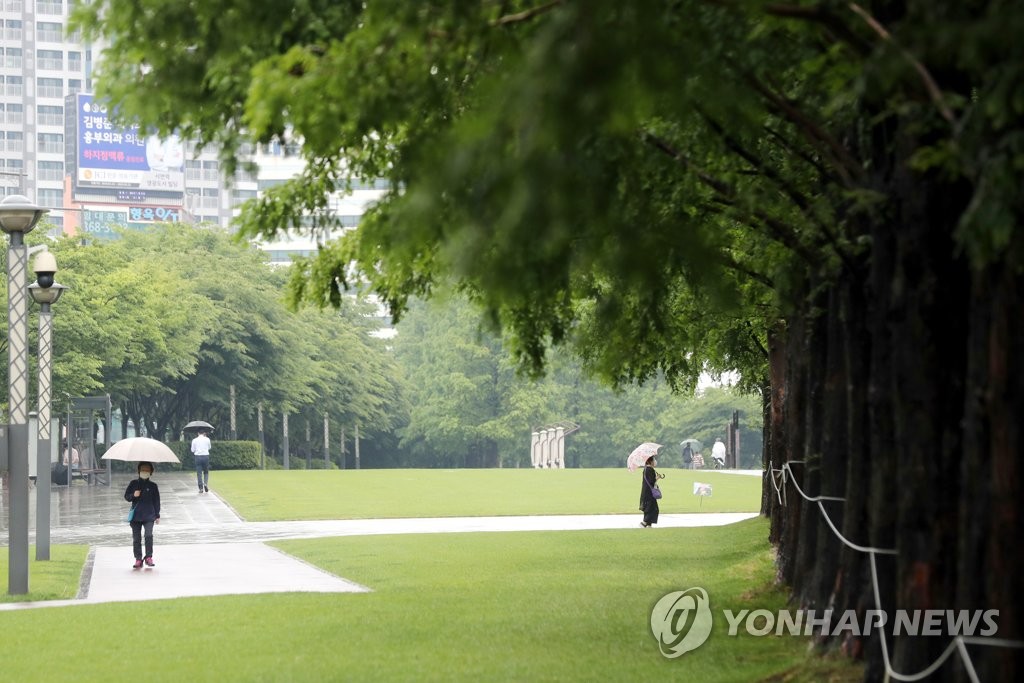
x: 695, y: 445
x: 198, y: 424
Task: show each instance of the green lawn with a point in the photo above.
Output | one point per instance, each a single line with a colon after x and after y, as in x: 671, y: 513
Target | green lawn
x: 544, y: 606
x: 332, y: 494
x: 444, y: 607
x: 55, y: 579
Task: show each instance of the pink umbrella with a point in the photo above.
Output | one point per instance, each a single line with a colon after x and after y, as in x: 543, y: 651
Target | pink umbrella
x: 638, y: 458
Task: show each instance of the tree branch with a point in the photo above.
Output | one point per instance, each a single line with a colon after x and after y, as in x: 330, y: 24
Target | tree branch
x: 929, y: 83
x: 798, y: 198
x: 801, y: 154
x: 727, y: 196
x: 732, y: 263
x: 753, y: 335
x: 526, y: 15
x: 843, y: 162
x: 822, y: 16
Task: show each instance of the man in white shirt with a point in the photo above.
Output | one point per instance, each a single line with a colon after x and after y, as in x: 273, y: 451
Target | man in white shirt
x: 201, y: 451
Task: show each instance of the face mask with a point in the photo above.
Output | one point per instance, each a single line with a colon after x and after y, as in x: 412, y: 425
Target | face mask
x: 144, y: 475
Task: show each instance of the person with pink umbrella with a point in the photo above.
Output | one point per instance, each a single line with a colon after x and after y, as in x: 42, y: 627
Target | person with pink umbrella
x: 646, y: 453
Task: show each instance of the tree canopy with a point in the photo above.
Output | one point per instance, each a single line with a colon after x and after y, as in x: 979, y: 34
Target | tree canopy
x: 168, y: 321
x: 824, y: 196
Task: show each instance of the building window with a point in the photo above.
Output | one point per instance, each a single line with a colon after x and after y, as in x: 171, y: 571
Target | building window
x: 15, y: 113
x: 51, y: 143
x: 15, y: 141
x: 49, y: 32
x: 50, y: 87
x: 50, y: 59
x: 13, y: 5
x: 209, y: 198
x: 267, y: 183
x: 192, y: 169
x: 50, y: 115
x: 15, y: 86
x: 74, y: 61
x: 74, y: 86
x: 49, y: 7
x: 243, y: 195
x: 210, y: 170
x: 14, y: 59
x: 50, y: 198
x: 50, y: 170
x: 12, y: 29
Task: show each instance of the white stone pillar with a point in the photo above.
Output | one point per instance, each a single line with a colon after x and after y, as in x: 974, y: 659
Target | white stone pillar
x: 560, y: 447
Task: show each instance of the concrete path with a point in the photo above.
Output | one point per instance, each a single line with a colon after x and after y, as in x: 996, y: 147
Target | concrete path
x: 203, y: 548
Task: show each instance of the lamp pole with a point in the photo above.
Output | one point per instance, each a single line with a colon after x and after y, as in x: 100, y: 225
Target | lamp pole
x: 18, y: 216
x: 284, y: 442
x: 259, y: 429
x: 45, y: 267
x: 234, y: 432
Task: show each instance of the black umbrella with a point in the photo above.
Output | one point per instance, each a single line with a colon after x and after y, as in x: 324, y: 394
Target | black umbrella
x: 198, y: 424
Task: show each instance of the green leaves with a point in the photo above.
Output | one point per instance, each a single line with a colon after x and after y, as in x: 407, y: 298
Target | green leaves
x: 168, y: 321
x: 633, y: 163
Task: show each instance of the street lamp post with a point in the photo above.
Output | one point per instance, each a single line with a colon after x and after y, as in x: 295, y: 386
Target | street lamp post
x: 45, y: 296
x: 18, y: 216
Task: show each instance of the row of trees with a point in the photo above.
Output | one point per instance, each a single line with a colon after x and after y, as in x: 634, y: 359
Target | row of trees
x: 825, y: 196
x: 167, y: 322
x: 470, y: 407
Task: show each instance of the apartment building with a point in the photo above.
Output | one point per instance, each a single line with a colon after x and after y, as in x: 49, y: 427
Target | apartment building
x: 57, y: 147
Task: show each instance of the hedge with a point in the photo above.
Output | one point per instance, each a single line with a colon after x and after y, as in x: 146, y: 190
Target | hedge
x: 224, y: 455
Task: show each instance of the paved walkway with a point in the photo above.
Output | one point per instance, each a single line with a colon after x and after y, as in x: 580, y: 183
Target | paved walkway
x: 204, y: 548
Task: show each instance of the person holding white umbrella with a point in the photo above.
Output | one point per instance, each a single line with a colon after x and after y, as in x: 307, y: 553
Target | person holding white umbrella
x: 144, y: 495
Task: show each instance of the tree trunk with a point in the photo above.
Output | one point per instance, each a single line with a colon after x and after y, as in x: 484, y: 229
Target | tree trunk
x: 792, y: 449
x: 775, y: 444
x: 990, y: 560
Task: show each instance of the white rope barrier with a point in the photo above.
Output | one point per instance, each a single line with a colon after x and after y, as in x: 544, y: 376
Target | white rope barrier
x: 957, y: 644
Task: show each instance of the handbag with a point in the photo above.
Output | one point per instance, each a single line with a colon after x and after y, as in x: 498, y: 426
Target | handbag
x: 655, y: 491
x: 131, y: 514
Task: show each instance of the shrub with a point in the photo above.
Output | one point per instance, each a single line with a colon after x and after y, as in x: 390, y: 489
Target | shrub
x: 224, y: 455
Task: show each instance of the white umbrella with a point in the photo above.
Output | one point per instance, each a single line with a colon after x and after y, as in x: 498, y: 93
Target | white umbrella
x: 140, y: 449
x: 640, y: 454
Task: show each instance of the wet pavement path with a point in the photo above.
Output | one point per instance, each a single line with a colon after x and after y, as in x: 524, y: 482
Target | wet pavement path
x: 198, y: 532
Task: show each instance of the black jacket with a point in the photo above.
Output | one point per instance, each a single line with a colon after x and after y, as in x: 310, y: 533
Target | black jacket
x: 650, y: 479
x: 147, y: 506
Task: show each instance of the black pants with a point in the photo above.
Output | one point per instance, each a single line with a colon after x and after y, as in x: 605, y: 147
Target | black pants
x: 651, y: 511
x: 137, y: 538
